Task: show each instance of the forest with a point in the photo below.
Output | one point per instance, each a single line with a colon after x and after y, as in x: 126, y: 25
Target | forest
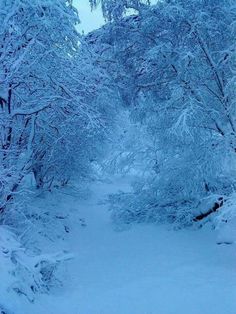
x: 118, y: 157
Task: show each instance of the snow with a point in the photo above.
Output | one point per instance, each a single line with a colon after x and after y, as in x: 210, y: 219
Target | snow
x: 144, y: 269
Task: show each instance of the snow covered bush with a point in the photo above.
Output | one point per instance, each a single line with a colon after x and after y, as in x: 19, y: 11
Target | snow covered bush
x: 25, y: 272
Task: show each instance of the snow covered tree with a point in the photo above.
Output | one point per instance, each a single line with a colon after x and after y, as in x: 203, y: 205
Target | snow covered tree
x: 175, y: 69
x: 52, y: 98
x: 35, y: 46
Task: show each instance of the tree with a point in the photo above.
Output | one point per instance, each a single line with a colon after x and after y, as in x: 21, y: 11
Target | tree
x: 50, y: 114
x: 33, y: 58
x: 178, y: 57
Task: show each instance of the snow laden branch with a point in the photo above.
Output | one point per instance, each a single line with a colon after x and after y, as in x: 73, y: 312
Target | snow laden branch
x: 115, y: 9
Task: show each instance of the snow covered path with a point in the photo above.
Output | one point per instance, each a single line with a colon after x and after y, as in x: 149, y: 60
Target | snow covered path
x: 144, y: 270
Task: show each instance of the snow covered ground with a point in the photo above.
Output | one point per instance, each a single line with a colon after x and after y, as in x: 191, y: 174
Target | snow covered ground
x: 145, y: 269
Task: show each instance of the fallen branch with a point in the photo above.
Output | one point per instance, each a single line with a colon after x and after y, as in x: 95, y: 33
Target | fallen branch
x: 215, y: 207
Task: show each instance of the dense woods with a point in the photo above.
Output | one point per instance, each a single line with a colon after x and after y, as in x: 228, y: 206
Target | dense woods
x: 151, y: 94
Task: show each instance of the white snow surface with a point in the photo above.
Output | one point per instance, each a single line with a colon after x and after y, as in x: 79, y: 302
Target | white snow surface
x: 145, y: 269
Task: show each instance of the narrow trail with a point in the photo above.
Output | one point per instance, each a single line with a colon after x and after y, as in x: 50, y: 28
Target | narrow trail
x: 146, y: 269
